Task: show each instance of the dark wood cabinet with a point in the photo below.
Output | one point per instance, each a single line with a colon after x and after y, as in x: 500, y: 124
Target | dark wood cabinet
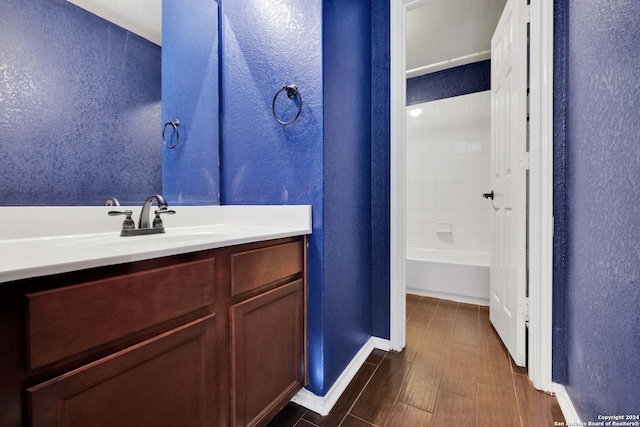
x: 167, y: 381
x: 93, y: 313
x: 267, y: 325
x: 267, y: 353
x: 212, y: 338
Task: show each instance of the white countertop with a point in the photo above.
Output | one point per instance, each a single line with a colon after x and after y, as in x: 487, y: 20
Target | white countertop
x: 39, y: 241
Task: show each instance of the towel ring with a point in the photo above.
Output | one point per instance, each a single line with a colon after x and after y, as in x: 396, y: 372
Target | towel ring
x: 175, y: 124
x: 292, y: 92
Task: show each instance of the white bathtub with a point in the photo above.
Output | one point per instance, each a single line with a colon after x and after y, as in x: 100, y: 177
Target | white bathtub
x: 461, y: 276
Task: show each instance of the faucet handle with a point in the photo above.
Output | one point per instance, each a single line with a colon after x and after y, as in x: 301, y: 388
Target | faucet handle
x: 157, y: 221
x: 128, y: 223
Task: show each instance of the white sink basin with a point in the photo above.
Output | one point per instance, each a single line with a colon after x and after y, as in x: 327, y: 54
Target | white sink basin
x: 170, y: 237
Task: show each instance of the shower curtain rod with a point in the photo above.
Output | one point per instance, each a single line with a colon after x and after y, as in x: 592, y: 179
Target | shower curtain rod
x: 438, y: 66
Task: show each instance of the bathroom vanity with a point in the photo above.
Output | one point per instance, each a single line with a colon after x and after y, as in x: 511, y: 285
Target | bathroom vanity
x: 209, y: 331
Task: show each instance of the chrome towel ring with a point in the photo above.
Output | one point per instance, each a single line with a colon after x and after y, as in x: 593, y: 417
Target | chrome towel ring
x: 175, y: 124
x: 292, y: 92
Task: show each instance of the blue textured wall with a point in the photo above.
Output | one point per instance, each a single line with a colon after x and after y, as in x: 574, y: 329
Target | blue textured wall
x: 559, y: 354
x: 79, y: 108
x: 323, y: 159
x: 602, y: 299
x: 265, y: 46
x: 190, y: 88
x: 347, y: 182
x: 380, y: 168
x: 462, y: 80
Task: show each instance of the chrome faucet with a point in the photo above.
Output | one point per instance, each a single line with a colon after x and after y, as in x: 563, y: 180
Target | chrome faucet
x: 144, y: 225
x: 146, y: 207
x: 112, y: 201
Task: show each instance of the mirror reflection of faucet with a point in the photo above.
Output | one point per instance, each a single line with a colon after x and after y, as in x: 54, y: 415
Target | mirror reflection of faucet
x: 144, y: 225
x: 112, y: 201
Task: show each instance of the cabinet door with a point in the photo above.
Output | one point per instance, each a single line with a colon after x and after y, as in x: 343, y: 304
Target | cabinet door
x: 164, y: 381
x: 267, y: 353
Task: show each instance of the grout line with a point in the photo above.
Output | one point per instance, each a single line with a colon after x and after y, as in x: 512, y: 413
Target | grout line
x: 477, y: 399
x: 406, y: 376
x: 306, y: 421
x: 395, y: 401
x: 423, y: 410
x: 363, y: 420
x: 348, y: 412
x: 515, y: 391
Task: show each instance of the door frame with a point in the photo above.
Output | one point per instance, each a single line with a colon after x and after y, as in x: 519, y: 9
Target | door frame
x: 540, y: 184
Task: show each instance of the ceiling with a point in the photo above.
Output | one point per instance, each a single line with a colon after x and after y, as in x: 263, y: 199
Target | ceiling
x: 442, y: 34
x: 141, y: 17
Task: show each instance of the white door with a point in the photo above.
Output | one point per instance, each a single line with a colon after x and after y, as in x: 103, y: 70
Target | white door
x: 508, y: 179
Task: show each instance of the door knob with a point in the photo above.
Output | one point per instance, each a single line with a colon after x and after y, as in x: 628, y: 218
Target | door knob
x: 488, y: 195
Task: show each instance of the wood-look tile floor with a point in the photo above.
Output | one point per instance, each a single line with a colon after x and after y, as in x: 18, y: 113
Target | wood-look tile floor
x: 454, y: 371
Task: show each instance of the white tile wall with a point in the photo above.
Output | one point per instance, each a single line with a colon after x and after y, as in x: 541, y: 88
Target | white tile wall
x: 448, y: 162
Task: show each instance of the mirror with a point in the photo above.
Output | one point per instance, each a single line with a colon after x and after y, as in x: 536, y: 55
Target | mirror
x: 80, y: 108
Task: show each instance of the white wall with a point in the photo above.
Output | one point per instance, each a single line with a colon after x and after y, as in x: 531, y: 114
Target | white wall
x: 448, y: 160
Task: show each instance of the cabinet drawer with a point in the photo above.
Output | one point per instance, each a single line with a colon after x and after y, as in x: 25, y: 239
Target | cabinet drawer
x: 69, y: 320
x: 253, y: 269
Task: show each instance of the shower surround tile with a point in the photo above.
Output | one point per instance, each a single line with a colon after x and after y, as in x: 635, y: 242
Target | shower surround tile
x: 448, y: 169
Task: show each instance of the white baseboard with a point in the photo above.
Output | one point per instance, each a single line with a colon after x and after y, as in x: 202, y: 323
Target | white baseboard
x: 323, y: 404
x: 568, y: 410
x: 381, y: 344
